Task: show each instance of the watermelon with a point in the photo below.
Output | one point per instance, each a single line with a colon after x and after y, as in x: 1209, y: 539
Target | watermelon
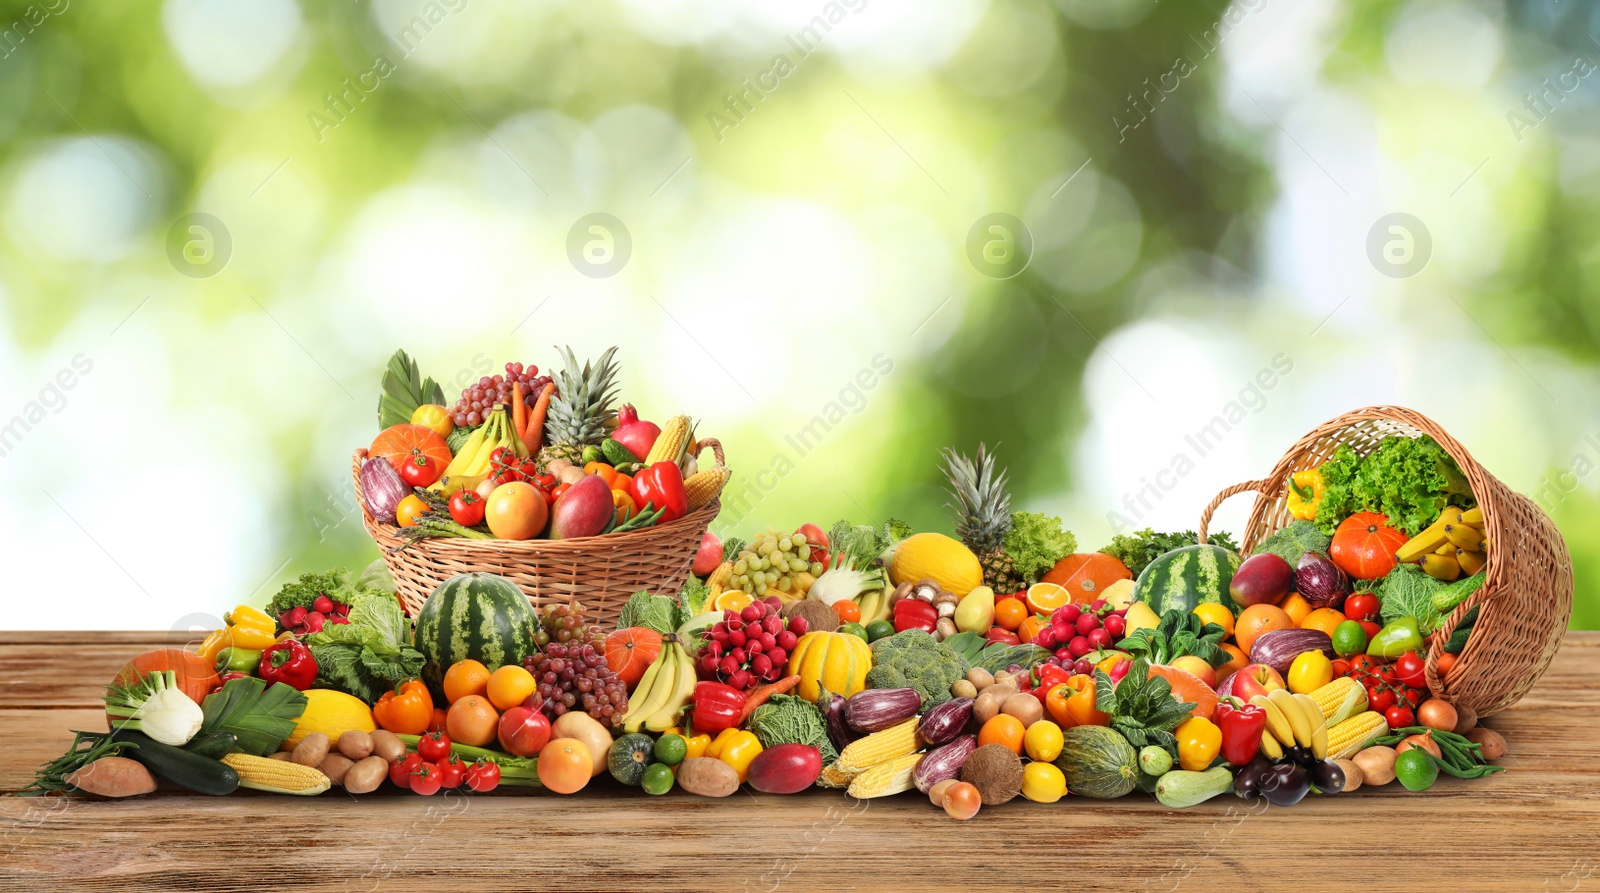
x: 1183, y: 578
x: 481, y: 617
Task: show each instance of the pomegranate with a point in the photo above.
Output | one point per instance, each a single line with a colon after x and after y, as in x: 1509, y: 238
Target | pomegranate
x: 635, y: 433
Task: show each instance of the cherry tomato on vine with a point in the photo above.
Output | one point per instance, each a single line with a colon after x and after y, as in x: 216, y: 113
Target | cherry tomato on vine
x: 1399, y: 716
x: 1380, y: 699
x: 451, y: 772
x: 425, y: 780
x: 434, y: 748
x: 1412, y: 670
x: 400, y: 770
x: 483, y: 776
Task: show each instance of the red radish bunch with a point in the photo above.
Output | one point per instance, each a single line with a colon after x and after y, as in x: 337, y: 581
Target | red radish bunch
x: 1076, y: 631
x: 324, y: 611
x: 750, y: 647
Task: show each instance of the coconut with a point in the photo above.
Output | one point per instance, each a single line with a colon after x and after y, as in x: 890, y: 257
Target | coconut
x: 819, y: 617
x: 995, y: 771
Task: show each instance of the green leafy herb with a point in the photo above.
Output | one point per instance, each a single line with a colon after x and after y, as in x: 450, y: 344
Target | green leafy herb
x: 404, y: 389
x: 1036, y: 542
x: 1408, y: 479
x: 1408, y: 592
x: 1294, y: 541
x: 1178, y: 634
x: 1138, y: 549
x: 692, y: 598
x: 259, y: 717
x: 369, y: 655
x: 1141, y: 706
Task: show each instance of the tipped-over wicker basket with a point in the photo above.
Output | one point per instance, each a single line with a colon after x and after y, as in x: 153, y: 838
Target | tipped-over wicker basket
x: 597, y: 572
x: 1526, y: 599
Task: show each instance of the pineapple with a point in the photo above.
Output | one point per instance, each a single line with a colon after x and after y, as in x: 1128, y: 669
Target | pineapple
x: 985, y: 510
x: 580, y: 410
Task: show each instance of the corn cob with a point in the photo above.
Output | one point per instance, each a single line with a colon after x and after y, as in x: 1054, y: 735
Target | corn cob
x: 1340, y: 699
x: 704, y: 486
x: 891, y: 777
x: 277, y: 776
x: 833, y: 777
x: 879, y: 747
x: 718, y: 582
x: 1346, y: 738
x: 671, y: 442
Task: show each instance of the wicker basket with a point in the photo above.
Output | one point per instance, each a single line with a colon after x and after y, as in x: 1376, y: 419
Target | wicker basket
x: 1526, y: 599
x: 597, y: 572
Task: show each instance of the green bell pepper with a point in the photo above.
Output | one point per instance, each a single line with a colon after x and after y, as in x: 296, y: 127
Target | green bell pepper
x: 238, y: 660
x: 1400, y: 636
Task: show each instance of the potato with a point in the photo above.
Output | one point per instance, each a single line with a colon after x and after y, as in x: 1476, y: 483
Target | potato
x: 1376, y: 764
x: 387, y: 745
x: 1005, y: 678
x: 964, y: 688
x: 707, y: 777
x: 280, y: 755
x: 365, y: 776
x: 987, y: 706
x: 980, y: 678
x: 355, y: 744
x: 335, y: 765
x: 1352, y: 775
x: 311, y: 750
x: 1024, y: 707
x: 571, y: 475
x: 113, y: 777
x: 1492, y: 742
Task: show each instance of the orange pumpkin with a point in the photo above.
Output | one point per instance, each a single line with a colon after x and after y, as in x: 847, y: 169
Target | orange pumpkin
x: 1087, y: 574
x: 196, y: 677
x: 1030, y: 627
x: 396, y: 442
x: 1188, y: 687
x: 1364, y: 546
x: 631, y: 651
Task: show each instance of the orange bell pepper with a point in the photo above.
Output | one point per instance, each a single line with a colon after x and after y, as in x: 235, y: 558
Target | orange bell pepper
x: 606, y: 472
x: 408, y: 710
x: 1071, y: 703
x: 622, y: 482
x: 626, y: 507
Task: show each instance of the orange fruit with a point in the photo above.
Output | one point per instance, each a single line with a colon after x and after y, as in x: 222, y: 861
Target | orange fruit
x: 1296, y: 607
x: 1325, y: 619
x: 1009, y: 612
x: 1237, y: 660
x: 509, y: 686
x: 1003, y: 728
x: 396, y: 442
x: 516, y: 511
x: 1211, y: 612
x: 1029, y: 628
x: 409, y: 510
x: 472, y: 721
x: 1044, y: 598
x: 732, y: 600
x: 1258, y: 619
x: 464, y: 678
x: 564, y: 766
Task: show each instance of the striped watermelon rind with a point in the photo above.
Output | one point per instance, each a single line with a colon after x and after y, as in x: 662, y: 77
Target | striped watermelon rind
x: 1184, y: 578
x: 481, y: 617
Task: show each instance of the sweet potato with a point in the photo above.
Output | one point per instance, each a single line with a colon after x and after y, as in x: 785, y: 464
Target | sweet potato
x: 113, y: 777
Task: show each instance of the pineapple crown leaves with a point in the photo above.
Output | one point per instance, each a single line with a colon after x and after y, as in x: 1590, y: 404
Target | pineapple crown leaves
x: 1141, y: 706
x: 979, y: 489
x: 581, y: 406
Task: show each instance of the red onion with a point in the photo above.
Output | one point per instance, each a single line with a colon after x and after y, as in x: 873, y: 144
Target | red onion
x: 1319, y: 581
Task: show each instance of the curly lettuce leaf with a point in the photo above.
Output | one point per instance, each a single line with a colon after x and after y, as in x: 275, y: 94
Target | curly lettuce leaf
x: 1036, y: 542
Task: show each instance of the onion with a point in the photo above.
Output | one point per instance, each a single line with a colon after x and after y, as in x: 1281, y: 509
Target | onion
x: 1436, y: 714
x: 1319, y: 581
x: 382, y: 489
x: 1424, y: 741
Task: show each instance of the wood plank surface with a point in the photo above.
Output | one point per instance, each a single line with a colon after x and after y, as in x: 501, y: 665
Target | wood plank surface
x: 1528, y: 829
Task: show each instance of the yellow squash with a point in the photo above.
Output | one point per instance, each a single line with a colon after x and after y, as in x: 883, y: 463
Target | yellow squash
x: 836, y: 661
x: 936, y: 557
x: 332, y: 713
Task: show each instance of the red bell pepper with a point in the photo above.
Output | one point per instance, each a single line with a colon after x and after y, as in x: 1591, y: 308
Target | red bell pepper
x: 289, y: 662
x: 661, y: 485
x: 913, y: 613
x: 716, y: 707
x: 1241, y: 725
x: 1049, y: 677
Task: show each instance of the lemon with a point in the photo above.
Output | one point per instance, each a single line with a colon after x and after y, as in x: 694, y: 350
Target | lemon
x: 1043, y: 782
x: 1043, y: 741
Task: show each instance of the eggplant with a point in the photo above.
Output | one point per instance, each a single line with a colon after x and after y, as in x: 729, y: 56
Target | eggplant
x: 1278, y: 648
x: 1286, y: 784
x: 839, y: 731
x: 1319, y: 581
x: 876, y: 709
x: 943, y: 763
x: 941, y: 724
x: 1247, y: 784
x: 1327, y: 777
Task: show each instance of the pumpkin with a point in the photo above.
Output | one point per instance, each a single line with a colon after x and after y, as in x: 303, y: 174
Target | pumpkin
x: 1364, y: 546
x: 936, y: 557
x: 1188, y: 688
x: 631, y: 651
x: 836, y: 661
x: 630, y: 756
x: 332, y: 713
x: 395, y: 443
x: 196, y: 677
x: 1087, y: 575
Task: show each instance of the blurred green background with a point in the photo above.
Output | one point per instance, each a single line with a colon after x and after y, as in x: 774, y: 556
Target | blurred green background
x: 800, y: 201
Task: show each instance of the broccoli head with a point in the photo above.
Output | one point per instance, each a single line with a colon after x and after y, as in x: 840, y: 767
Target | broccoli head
x: 912, y: 659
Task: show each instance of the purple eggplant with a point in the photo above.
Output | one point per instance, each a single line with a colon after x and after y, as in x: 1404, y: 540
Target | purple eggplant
x: 876, y: 709
x: 1319, y: 581
x: 943, y: 763
x: 1278, y: 648
x: 839, y: 731
x: 941, y: 724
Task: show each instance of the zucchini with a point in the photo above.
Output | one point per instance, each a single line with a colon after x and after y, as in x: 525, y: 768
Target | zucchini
x: 1181, y: 789
x: 215, y: 745
x: 200, y: 774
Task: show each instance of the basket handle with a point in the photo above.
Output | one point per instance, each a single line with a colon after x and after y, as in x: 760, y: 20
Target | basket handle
x: 1224, y: 496
x: 716, y: 450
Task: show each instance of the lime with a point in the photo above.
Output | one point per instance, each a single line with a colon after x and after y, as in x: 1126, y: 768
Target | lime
x: 879, y: 629
x: 1416, y: 770
x: 1349, y: 638
x: 671, y: 749
x: 855, y: 629
x: 657, y: 779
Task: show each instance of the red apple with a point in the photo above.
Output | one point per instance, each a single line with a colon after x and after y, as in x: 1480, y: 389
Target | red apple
x: 1255, y: 679
x: 1197, y: 667
x: 818, y: 539
x: 524, y: 731
x: 1263, y: 579
x: 709, y: 556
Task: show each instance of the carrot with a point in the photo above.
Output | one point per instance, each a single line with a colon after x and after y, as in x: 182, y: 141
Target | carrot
x: 519, y: 411
x: 761, y: 695
x: 533, y: 435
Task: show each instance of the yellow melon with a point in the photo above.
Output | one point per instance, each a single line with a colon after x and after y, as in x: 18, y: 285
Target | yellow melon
x: 836, y: 661
x: 332, y: 713
x: 937, y: 557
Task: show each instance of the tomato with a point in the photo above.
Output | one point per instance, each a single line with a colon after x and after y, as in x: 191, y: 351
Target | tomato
x: 565, y: 765
x: 1399, y: 716
x: 558, y: 491
x: 466, y: 507
x: 451, y: 773
x: 400, y: 770
x: 1446, y: 661
x: 482, y: 776
x: 1371, y: 628
x: 1412, y: 670
x: 1362, y: 664
x: 516, y: 511
x: 1380, y: 700
x: 1361, y: 606
x: 425, y: 780
x: 409, y: 510
x: 847, y: 609
x: 1410, y: 697
x: 420, y: 471
x: 434, y: 748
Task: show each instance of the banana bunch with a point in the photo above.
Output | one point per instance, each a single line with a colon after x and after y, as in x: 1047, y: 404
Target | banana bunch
x: 469, y: 467
x: 1293, y: 720
x: 663, y: 691
x: 874, y: 605
x: 1453, y: 546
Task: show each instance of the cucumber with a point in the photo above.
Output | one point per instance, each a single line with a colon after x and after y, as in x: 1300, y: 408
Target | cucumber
x: 200, y: 774
x: 215, y: 745
x: 1181, y: 789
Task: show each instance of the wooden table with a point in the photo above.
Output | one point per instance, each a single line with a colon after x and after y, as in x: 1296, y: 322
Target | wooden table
x: 1530, y: 829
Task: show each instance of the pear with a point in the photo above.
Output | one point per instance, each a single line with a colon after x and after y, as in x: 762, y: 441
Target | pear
x: 975, y: 611
x: 1141, y: 616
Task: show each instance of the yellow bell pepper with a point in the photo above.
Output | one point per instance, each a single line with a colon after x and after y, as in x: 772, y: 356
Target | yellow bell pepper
x: 1305, y: 494
x: 698, y: 745
x: 213, y: 645
x: 737, y: 748
x: 1199, y: 742
x: 246, y: 627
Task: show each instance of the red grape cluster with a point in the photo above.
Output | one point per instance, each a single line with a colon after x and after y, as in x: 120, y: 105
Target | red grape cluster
x: 750, y: 647
x: 563, y: 624
x: 575, y: 677
x: 1076, y: 631
x: 479, y: 399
